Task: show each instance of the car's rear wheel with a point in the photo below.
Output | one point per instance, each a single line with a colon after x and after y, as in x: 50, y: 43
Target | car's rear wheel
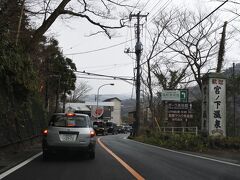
x: 45, y: 155
x: 92, y: 154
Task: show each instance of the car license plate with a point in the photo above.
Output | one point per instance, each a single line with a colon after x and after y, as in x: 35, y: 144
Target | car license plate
x: 67, y: 137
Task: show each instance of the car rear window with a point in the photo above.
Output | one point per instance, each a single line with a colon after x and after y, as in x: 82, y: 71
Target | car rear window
x: 99, y: 124
x: 64, y: 121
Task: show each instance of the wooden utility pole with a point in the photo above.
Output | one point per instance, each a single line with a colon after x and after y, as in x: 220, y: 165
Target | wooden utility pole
x: 234, y: 100
x: 138, y: 51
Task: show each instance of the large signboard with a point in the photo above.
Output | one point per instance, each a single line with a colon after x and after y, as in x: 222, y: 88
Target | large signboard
x: 217, y: 106
x: 214, y: 105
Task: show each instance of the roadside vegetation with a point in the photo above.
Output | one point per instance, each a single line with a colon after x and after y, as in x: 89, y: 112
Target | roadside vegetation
x: 32, y: 82
x: 188, y: 142
x: 34, y: 73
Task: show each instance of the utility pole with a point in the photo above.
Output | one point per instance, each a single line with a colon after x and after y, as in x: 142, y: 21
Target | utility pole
x: 138, y: 51
x: 234, y: 100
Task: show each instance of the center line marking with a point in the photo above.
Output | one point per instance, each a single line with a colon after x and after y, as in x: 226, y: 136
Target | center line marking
x: 129, y: 168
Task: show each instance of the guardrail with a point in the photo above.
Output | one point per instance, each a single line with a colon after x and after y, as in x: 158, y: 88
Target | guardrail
x: 20, y: 141
x: 183, y: 130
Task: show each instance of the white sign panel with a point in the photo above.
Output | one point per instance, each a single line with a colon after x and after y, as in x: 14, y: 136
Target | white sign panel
x: 170, y: 95
x: 217, y: 106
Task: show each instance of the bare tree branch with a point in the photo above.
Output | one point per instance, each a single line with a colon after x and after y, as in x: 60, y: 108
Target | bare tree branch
x: 86, y: 10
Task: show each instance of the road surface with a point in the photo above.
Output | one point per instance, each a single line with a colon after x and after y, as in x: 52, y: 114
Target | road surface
x: 123, y: 159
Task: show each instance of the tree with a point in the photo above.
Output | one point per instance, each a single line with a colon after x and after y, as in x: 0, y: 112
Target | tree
x: 157, y: 69
x: 80, y: 92
x: 170, y: 79
x: 198, y: 46
x: 58, y: 73
x: 155, y: 37
x: 17, y: 76
x: 93, y: 12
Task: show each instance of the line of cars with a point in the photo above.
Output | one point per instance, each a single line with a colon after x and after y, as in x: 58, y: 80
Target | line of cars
x: 105, y: 128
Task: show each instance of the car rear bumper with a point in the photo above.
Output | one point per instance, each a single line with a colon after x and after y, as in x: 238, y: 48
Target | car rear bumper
x: 100, y: 131
x: 70, y: 147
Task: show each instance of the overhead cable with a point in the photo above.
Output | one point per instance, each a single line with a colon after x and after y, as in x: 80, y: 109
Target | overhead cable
x: 100, y: 49
x: 101, y: 75
x: 145, y: 5
x: 188, y: 30
x: 136, y: 5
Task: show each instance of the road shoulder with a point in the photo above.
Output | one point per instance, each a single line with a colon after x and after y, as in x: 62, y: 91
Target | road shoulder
x: 14, y: 155
x: 221, y: 155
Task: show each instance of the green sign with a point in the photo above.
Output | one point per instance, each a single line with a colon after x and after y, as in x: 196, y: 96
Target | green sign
x: 183, y: 95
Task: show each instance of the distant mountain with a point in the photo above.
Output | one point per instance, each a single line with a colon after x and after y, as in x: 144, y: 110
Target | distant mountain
x: 194, y: 92
x: 128, y: 105
x: 228, y: 72
x: 102, y: 97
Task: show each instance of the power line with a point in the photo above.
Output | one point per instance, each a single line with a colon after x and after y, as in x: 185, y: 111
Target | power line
x: 155, y: 6
x: 100, y: 49
x: 188, y: 30
x: 101, y: 75
x: 136, y: 5
x: 160, y: 9
x: 110, y: 65
x: 105, y: 79
x: 212, y: 31
x: 83, y: 77
x: 145, y: 5
x: 99, y: 70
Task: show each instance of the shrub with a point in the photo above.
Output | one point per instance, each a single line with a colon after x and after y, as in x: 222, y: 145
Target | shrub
x: 188, y: 142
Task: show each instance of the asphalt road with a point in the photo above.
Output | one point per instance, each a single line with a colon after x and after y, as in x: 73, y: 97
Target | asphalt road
x: 147, y: 161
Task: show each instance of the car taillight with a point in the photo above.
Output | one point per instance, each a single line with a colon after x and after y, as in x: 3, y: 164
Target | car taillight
x: 92, y: 133
x: 70, y: 114
x: 45, y: 132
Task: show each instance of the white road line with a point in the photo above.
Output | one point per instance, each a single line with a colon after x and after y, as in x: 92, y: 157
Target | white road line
x: 187, y: 154
x: 19, y: 166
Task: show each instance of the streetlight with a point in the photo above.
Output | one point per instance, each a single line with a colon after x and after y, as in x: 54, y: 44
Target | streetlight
x: 112, y: 84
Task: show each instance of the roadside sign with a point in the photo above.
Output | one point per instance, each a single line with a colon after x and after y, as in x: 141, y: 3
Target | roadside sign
x: 97, y: 111
x: 170, y: 95
x: 175, y: 95
x: 179, y: 111
x: 179, y: 106
x: 183, y: 95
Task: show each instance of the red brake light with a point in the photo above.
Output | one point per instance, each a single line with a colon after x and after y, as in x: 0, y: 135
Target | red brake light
x: 70, y: 114
x: 92, y: 133
x: 45, y: 132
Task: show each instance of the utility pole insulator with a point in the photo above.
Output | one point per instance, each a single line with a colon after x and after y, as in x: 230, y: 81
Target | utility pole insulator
x: 138, y: 47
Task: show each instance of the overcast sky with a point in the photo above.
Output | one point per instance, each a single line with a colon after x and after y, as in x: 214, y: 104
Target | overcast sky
x: 73, y: 37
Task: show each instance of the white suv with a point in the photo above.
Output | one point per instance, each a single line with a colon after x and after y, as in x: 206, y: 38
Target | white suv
x: 69, y: 132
